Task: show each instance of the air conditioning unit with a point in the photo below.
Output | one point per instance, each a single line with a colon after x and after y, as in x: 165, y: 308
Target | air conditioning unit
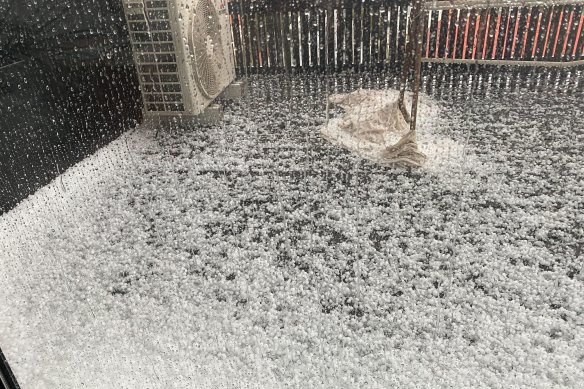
x: 183, y: 50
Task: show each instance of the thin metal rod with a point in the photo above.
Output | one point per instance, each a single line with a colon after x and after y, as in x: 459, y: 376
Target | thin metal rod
x: 410, y: 53
x: 417, y: 74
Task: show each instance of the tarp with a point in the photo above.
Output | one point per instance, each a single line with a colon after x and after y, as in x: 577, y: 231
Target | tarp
x: 373, y: 127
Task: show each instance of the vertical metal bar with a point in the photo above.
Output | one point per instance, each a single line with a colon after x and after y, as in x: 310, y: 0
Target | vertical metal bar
x: 578, y: 34
x: 454, y: 46
x: 361, y: 35
x: 388, y: 37
x: 260, y: 43
x: 358, y: 35
x: 269, y: 39
x: 253, y: 39
x: 383, y: 36
x: 558, y: 32
x: 410, y: 55
x: 447, y: 47
x: 438, y: 34
x: 339, y: 38
x: 278, y: 44
x: 567, y: 33
x: 536, y: 39
x: 234, y: 37
x: 243, y: 36
x: 366, y: 35
x: 319, y: 37
x: 496, y: 36
x: 517, y: 19
x: 313, y: 38
x: 418, y: 68
x: 486, y: 37
x: 341, y: 34
x: 278, y: 40
x: 285, y: 43
x: 374, y: 28
x: 547, y: 34
x: 266, y: 41
x: 304, y: 33
x: 475, y: 41
x: 294, y: 41
x: 251, y: 45
x: 397, y: 35
x: 526, y: 33
x: 322, y: 43
x: 393, y: 34
x: 348, y: 57
x: 408, y: 20
x: 354, y: 59
x: 331, y: 28
x: 428, y: 34
x: 464, y: 45
x: 301, y: 46
x: 504, y: 53
x: 327, y: 23
x: 376, y: 37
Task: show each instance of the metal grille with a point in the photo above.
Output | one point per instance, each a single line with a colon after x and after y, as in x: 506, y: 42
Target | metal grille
x: 370, y: 35
x: 527, y: 32
x: 207, y: 46
x: 153, y: 45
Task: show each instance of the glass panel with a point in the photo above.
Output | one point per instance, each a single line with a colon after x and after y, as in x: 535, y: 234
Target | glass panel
x: 307, y: 227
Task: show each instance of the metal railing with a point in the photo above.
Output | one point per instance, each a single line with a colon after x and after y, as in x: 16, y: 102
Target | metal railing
x: 534, y: 32
x: 366, y: 35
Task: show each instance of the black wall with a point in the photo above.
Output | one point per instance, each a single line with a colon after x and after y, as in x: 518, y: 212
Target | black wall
x: 67, y: 87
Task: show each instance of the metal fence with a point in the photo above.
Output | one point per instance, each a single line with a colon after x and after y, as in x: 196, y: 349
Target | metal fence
x: 368, y: 35
x: 505, y: 32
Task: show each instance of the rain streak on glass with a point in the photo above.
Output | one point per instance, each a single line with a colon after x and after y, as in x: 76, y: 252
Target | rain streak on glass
x: 282, y: 194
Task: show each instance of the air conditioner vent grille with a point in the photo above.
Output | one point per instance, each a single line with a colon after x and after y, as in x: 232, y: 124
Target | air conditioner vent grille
x: 183, y: 52
x: 155, y: 56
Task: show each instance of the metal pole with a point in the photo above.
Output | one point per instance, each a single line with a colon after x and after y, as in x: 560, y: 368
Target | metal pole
x: 417, y: 72
x: 410, y: 54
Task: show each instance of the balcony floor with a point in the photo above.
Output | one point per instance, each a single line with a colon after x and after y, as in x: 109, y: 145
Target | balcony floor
x: 256, y: 253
